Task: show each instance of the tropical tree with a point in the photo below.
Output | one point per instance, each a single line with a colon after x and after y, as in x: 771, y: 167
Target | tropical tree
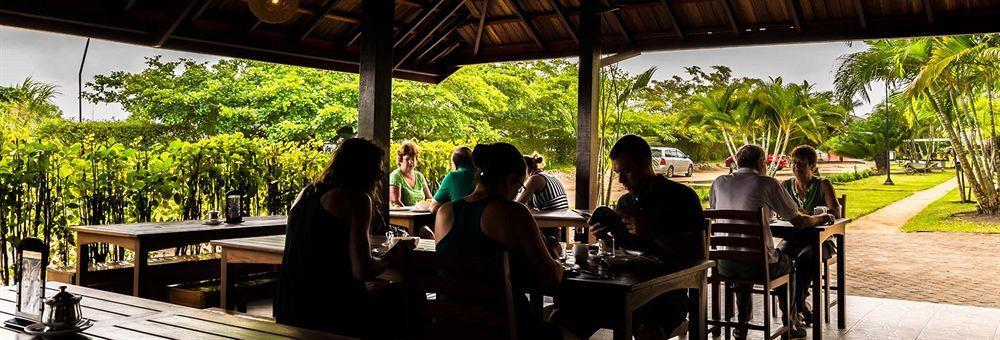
x: 27, y: 104
x: 955, y: 77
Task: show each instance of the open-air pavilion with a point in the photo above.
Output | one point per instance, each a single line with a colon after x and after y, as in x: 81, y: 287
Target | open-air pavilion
x: 427, y: 40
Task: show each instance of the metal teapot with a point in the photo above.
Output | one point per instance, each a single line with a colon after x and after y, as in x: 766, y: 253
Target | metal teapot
x: 63, y: 311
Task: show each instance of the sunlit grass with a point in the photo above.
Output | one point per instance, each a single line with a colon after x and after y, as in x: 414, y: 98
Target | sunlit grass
x: 867, y: 195
x: 938, y: 216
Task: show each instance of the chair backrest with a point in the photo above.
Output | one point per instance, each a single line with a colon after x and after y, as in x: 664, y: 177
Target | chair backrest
x: 473, y: 297
x: 842, y: 200
x: 737, y: 235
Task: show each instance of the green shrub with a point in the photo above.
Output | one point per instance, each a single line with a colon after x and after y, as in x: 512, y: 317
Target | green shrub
x: 130, y: 132
x: 855, y: 175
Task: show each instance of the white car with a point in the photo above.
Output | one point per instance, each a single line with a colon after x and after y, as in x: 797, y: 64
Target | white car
x: 670, y: 161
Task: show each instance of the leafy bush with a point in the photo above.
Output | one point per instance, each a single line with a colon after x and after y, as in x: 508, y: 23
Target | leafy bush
x: 49, y: 184
x: 845, y: 177
x: 129, y: 131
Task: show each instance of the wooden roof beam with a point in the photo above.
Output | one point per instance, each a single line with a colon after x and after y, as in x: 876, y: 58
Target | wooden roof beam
x: 929, y: 10
x: 860, y: 8
x: 316, y: 19
x: 793, y: 11
x: 565, y: 20
x: 445, y: 52
x: 482, y: 25
x: 616, y: 19
x: 673, y: 19
x: 447, y: 32
x: 423, y: 17
x: 472, y: 8
x: 619, y: 57
x: 166, y: 32
x: 527, y: 23
x: 430, y: 33
x: 410, y: 3
x: 732, y: 17
x: 129, y: 4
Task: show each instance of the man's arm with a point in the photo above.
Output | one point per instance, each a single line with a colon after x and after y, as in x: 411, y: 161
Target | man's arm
x: 781, y: 202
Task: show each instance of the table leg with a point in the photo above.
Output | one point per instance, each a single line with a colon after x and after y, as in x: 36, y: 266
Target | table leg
x: 82, y: 263
x: 698, y: 326
x: 139, y: 268
x: 716, y: 303
x: 624, y: 329
x: 817, y: 291
x: 225, y: 300
x: 841, y: 284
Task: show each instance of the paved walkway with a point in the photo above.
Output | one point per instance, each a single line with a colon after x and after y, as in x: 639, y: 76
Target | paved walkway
x: 955, y: 268
x: 890, y: 218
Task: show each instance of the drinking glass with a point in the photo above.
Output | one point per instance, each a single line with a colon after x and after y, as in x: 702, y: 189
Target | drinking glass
x: 606, y: 247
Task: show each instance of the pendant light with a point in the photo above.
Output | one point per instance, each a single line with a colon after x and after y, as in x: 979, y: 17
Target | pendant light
x: 273, y: 11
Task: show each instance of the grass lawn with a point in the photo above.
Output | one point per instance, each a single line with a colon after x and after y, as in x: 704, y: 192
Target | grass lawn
x: 938, y: 217
x: 867, y: 195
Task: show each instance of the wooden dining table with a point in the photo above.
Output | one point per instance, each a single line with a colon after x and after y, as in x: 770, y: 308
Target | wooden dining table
x: 626, y: 288
x: 563, y: 218
x: 124, y: 317
x: 143, y: 238
x: 817, y: 235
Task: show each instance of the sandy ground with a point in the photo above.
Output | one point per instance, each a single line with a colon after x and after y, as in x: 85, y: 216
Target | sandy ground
x: 705, y: 177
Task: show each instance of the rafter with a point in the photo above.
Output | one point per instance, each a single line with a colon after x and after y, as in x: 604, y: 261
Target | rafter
x: 793, y: 12
x: 472, y: 7
x: 183, y: 14
x: 482, y: 22
x: 413, y: 4
x: 447, y: 32
x: 423, y: 17
x: 428, y: 34
x: 445, y: 52
x: 732, y: 17
x: 929, y: 10
x: 619, y: 23
x: 860, y: 8
x: 565, y: 20
x: 316, y: 19
x: 129, y: 4
x: 516, y: 7
x: 673, y: 19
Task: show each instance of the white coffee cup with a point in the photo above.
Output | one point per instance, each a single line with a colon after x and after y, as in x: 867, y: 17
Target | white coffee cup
x: 820, y: 210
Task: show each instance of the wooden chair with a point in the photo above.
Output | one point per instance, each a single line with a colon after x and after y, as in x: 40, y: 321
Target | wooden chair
x: 826, y: 270
x: 750, y: 247
x: 478, y: 304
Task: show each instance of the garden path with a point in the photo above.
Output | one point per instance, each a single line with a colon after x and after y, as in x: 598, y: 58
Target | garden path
x: 890, y: 218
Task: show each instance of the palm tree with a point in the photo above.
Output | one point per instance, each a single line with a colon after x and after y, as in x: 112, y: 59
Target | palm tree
x: 27, y: 103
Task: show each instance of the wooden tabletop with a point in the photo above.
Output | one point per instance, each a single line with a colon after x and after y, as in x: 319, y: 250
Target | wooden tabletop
x: 136, y: 230
x: 276, y: 244
x: 562, y: 214
x: 408, y: 213
x: 628, y: 278
x: 119, y: 316
x: 785, y: 227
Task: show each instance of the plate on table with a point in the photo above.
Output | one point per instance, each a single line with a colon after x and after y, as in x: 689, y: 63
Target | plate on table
x: 391, y: 208
x: 570, y: 266
x: 211, y: 222
x: 418, y: 210
x: 44, y: 331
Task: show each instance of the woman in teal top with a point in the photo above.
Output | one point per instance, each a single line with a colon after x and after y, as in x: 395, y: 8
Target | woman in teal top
x: 458, y: 183
x: 407, y: 186
x: 809, y: 191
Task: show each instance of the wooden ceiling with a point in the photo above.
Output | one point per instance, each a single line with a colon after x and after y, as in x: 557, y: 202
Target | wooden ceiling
x: 435, y: 37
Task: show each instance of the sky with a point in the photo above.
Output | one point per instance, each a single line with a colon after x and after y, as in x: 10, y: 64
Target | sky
x: 55, y: 59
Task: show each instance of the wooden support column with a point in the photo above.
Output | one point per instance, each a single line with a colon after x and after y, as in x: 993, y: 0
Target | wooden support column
x: 588, y: 96
x: 375, y: 94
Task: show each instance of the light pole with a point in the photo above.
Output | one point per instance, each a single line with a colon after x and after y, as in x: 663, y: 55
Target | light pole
x: 888, y: 140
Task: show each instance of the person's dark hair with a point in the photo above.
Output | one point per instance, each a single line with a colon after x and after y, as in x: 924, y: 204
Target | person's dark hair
x: 749, y: 156
x: 407, y: 149
x: 635, y: 146
x: 497, y: 161
x: 357, y: 165
x: 805, y: 152
x: 533, y: 162
x: 462, y: 157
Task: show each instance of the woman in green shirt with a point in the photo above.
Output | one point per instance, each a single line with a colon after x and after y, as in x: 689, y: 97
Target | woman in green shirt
x: 407, y: 186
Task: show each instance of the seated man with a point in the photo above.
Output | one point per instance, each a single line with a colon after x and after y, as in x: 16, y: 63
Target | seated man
x: 657, y: 216
x: 458, y: 183
x: 747, y: 189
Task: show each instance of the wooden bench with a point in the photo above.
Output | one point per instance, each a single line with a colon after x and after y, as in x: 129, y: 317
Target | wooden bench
x: 117, y: 276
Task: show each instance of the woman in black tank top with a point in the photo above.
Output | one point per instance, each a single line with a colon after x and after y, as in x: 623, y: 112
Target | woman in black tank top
x: 489, y: 222
x: 322, y: 281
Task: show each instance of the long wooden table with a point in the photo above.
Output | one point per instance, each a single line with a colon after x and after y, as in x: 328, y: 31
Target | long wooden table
x: 627, y: 288
x: 263, y: 250
x: 125, y: 317
x: 563, y: 218
x: 818, y: 235
x: 143, y: 238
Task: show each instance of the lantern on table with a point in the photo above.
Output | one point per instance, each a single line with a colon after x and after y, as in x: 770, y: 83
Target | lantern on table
x: 234, y: 207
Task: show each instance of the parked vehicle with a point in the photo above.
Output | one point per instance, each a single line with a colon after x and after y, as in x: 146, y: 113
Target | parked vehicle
x: 670, y: 161
x: 782, y: 162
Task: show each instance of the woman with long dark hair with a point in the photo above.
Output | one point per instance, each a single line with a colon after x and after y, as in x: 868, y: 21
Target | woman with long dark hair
x: 327, y: 261
x: 489, y: 222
